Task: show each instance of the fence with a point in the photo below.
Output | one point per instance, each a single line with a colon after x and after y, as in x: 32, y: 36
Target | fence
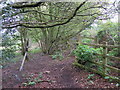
x: 104, y: 63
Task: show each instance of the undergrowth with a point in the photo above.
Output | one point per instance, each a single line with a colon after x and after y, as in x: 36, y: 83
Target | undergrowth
x: 85, y: 54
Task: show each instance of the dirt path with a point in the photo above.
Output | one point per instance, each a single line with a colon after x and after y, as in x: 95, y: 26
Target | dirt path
x: 62, y: 74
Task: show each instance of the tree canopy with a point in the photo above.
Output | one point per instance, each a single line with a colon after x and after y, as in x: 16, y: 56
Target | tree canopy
x: 67, y: 12
x: 52, y: 24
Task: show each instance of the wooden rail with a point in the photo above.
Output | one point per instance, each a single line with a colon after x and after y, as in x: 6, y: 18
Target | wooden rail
x: 106, y: 46
x: 102, y: 45
x: 104, y: 62
x: 112, y: 57
x: 96, y: 71
x: 110, y: 67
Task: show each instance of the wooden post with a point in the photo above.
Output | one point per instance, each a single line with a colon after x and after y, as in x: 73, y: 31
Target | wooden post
x: 105, y: 59
x: 98, y: 72
x: 24, y: 58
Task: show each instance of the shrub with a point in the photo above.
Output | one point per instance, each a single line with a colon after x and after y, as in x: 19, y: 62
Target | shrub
x: 114, y: 52
x: 84, y: 54
x: 57, y: 55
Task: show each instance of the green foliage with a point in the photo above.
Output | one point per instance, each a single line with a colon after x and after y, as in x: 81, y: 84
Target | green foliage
x: 32, y: 79
x: 7, y: 54
x: 100, y: 68
x: 90, y: 76
x: 40, y: 75
x: 106, y: 77
x: 8, y: 50
x: 86, y: 41
x: 36, y: 50
x: 57, y: 55
x: 84, y: 54
x: 10, y: 44
x: 112, y: 32
x: 111, y: 63
x: 29, y: 83
x: 113, y: 52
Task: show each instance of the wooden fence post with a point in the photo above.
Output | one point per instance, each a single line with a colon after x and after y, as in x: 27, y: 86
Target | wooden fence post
x: 24, y: 58
x: 105, y: 59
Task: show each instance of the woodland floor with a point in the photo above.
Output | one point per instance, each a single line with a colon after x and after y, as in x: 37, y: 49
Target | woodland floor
x: 62, y: 74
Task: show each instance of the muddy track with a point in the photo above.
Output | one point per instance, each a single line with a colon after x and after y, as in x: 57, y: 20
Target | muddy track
x: 63, y: 73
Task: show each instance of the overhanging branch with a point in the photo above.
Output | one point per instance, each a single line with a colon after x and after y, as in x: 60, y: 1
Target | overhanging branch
x: 48, y: 26
x: 27, y: 5
x: 89, y: 14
